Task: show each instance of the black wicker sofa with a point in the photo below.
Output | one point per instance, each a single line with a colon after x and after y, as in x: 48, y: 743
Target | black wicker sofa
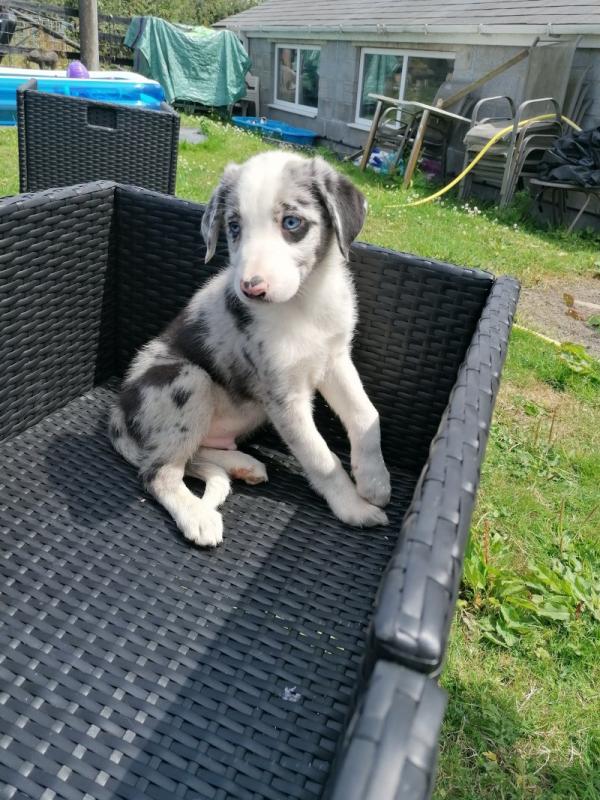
x: 299, y: 659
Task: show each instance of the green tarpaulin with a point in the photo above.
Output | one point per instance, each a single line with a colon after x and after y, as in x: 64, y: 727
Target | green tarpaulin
x: 194, y: 64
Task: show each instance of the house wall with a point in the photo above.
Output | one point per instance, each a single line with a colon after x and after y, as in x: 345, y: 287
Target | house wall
x: 339, y: 73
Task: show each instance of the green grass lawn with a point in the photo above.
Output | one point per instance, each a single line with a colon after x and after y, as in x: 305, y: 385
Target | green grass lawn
x: 523, y: 668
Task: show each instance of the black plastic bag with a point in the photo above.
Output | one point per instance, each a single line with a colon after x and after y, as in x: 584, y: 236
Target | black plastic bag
x: 573, y: 159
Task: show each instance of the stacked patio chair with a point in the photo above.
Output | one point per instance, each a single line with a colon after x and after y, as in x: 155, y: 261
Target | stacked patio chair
x: 579, y: 96
x: 519, y: 153
x: 68, y: 140
x: 549, y: 87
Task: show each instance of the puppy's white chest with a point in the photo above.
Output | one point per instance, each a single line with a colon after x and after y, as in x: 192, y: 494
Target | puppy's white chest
x: 302, y: 351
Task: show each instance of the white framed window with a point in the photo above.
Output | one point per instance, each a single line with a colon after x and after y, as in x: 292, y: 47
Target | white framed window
x: 402, y: 74
x: 297, y: 78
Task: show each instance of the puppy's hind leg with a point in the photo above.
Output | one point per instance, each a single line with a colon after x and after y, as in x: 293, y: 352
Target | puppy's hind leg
x: 218, y: 485
x: 195, y: 518
x: 237, y: 465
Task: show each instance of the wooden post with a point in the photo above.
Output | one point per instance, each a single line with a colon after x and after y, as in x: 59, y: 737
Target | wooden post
x: 369, y: 145
x: 88, y: 33
x: 416, y: 149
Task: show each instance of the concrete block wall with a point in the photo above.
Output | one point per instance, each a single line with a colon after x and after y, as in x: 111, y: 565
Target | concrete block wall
x: 261, y: 55
x: 340, y: 61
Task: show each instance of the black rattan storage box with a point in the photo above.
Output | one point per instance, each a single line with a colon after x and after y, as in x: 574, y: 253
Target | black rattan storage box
x: 134, y: 665
x: 65, y: 140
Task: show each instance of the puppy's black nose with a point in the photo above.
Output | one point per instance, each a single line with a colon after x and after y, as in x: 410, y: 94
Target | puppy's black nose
x: 256, y: 286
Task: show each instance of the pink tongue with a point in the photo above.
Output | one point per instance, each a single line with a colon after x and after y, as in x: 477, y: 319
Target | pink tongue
x: 220, y: 443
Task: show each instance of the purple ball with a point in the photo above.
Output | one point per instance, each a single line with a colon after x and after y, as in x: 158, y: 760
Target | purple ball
x: 77, y: 70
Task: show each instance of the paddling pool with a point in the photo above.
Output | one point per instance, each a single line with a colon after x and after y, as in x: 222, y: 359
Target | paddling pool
x: 277, y: 130
x: 131, y: 90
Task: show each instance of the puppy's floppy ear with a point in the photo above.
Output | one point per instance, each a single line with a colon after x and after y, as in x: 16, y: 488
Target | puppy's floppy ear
x: 213, y: 216
x: 346, y: 206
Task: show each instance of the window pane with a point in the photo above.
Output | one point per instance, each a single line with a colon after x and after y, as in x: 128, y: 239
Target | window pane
x: 382, y: 74
x: 309, y: 78
x: 425, y: 76
x: 286, y: 74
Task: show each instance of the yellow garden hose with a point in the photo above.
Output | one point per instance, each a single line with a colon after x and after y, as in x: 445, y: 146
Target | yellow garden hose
x: 537, y: 334
x: 481, y: 154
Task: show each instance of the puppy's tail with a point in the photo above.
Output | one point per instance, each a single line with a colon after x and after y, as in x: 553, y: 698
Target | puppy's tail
x: 217, y: 481
x: 121, y: 440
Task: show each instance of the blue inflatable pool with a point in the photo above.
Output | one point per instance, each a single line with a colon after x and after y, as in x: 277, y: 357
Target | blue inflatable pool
x: 145, y: 94
x: 277, y: 130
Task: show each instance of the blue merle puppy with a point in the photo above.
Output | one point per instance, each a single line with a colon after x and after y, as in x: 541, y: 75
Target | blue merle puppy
x: 254, y: 345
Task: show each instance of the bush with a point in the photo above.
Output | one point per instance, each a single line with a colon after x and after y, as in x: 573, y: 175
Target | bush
x: 191, y: 12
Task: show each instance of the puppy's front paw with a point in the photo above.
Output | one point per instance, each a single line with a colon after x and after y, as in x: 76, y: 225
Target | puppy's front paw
x: 373, y: 483
x: 201, y: 524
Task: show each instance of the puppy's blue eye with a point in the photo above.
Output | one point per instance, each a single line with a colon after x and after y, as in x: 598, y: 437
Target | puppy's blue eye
x: 291, y: 223
x: 234, y: 228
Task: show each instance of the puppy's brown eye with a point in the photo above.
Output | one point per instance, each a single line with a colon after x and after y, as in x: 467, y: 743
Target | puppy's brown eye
x: 291, y: 223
